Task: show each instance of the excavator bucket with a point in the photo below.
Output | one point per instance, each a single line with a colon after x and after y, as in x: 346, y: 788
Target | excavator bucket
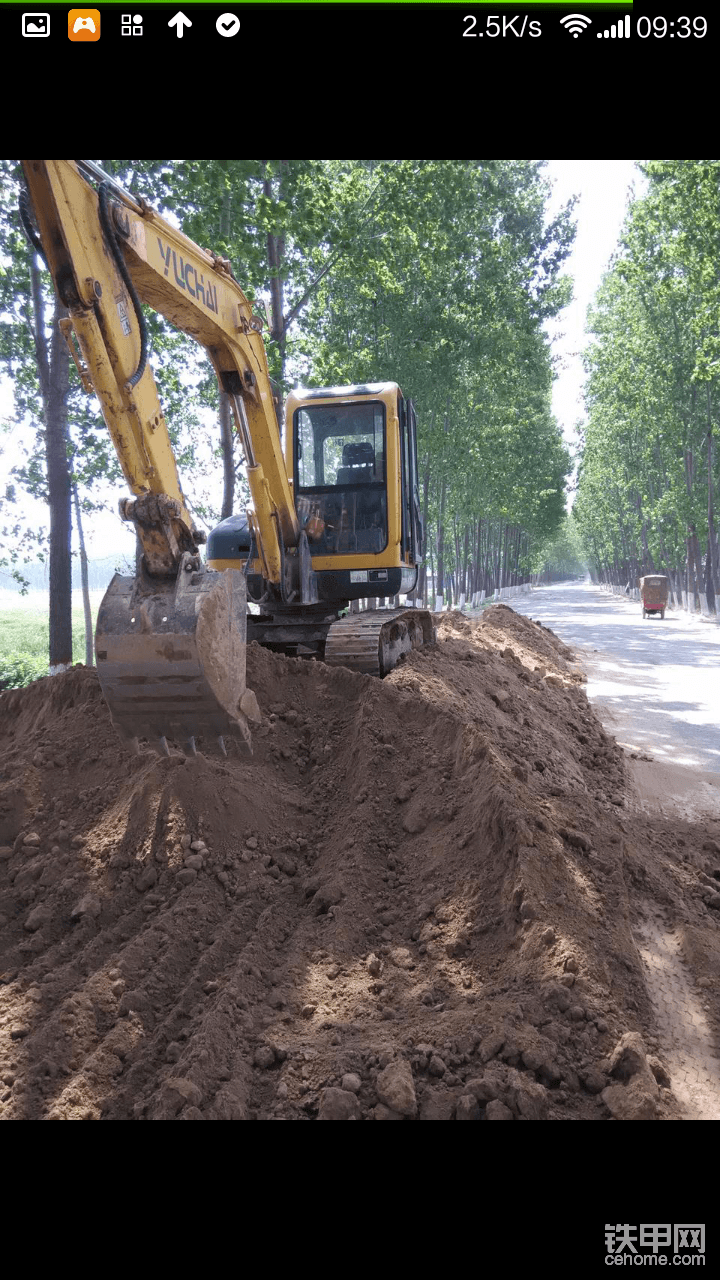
x: 171, y: 657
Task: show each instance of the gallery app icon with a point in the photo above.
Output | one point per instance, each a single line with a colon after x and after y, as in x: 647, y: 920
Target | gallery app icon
x: 36, y: 24
x: 84, y: 24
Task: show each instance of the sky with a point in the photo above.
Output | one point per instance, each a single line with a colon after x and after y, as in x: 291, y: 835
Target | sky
x: 602, y: 186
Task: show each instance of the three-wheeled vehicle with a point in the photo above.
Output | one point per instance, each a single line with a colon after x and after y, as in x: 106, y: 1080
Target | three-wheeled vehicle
x: 654, y: 590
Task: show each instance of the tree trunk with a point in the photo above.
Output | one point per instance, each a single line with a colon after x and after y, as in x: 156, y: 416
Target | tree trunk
x: 680, y: 575
x: 648, y: 563
x: 689, y: 575
x: 54, y: 374
x: 89, y: 650
x: 690, y: 583
x: 515, y: 557
x: 497, y: 556
x: 667, y: 569
x: 488, y: 563
x: 630, y: 570
x: 276, y: 254
x: 59, y: 497
x: 440, y: 587
x: 422, y: 578
x: 432, y: 581
x: 225, y: 412
x: 505, y: 557
x: 710, y: 567
x: 476, y: 584
x: 484, y: 584
x: 464, y: 585
x: 694, y: 555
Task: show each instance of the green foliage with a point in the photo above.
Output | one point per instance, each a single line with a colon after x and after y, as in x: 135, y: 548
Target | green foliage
x: 648, y: 476
x: 20, y: 669
x: 563, y: 556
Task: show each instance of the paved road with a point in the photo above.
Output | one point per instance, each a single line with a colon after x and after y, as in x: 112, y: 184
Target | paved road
x: 654, y: 684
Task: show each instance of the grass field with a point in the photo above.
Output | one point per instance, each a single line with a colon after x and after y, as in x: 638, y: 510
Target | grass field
x: 25, y: 635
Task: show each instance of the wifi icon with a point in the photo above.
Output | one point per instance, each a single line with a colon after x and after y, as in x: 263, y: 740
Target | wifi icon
x: 575, y: 23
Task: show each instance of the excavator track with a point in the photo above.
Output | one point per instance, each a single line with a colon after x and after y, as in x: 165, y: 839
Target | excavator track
x: 373, y: 642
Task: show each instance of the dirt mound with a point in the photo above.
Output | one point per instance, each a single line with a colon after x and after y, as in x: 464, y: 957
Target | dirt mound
x: 415, y: 898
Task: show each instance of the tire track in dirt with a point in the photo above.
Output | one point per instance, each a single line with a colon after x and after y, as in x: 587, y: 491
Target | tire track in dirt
x: 686, y: 1040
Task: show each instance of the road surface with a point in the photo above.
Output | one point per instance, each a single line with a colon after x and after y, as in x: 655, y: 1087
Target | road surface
x: 655, y: 684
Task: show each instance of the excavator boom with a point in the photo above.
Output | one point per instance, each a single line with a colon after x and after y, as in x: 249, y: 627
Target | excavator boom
x: 170, y: 643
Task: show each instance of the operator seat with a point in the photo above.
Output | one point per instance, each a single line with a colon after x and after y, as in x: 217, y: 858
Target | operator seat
x: 358, y: 464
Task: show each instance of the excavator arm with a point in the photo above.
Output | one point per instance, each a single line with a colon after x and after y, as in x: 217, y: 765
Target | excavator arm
x: 108, y: 253
x: 170, y: 643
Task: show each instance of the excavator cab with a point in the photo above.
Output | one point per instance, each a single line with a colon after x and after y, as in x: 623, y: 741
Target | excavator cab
x: 353, y: 452
x: 351, y: 460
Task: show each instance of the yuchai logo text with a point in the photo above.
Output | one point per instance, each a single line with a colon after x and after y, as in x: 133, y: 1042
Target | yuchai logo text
x: 187, y: 277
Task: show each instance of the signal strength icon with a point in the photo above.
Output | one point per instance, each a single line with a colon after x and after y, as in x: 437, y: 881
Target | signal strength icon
x: 575, y: 23
x: 618, y: 30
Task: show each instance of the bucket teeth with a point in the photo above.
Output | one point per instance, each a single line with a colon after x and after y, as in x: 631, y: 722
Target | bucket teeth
x: 188, y: 745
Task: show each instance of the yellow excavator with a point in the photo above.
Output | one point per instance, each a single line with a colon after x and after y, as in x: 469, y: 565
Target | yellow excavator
x: 335, y: 518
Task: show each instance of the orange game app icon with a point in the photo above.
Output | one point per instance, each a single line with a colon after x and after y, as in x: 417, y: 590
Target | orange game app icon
x: 84, y: 24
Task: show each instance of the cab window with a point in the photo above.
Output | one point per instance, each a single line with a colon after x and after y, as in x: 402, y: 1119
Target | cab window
x: 340, y: 492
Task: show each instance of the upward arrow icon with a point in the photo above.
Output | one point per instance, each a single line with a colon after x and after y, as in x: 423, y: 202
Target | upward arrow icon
x: 179, y: 21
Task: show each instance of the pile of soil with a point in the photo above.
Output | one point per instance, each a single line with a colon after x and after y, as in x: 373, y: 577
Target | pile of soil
x: 415, y: 899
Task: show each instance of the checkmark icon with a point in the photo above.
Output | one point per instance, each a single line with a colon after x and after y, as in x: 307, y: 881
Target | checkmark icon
x: 228, y: 24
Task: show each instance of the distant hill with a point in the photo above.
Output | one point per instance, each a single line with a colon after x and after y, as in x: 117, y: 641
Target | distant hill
x: 99, y: 574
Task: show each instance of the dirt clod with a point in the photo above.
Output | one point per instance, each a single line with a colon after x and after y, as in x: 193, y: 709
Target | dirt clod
x: 498, y: 1111
x: 395, y: 1087
x: 339, y: 1104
